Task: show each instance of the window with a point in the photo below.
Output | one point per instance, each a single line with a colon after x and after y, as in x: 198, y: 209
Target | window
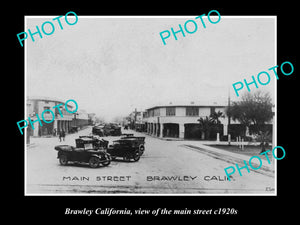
x: 156, y: 112
x: 212, y: 110
x: 192, y: 111
x: 151, y: 113
x: 170, y: 111
x: 47, y: 108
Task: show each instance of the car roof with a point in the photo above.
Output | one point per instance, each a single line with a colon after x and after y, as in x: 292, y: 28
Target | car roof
x: 85, y: 139
x: 126, y: 140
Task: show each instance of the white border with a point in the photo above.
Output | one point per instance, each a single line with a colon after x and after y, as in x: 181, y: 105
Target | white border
x: 133, y: 194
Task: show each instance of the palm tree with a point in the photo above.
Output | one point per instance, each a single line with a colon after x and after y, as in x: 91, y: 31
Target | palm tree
x: 217, y: 123
x: 206, y: 125
x: 215, y: 117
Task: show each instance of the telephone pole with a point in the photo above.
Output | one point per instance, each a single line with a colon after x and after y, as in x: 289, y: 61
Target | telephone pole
x: 228, y: 114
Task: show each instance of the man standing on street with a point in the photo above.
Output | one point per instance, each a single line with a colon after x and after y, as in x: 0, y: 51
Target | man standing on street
x: 59, y: 135
x: 63, y: 134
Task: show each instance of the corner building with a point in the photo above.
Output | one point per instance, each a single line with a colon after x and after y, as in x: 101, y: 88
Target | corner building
x: 36, y: 105
x: 181, y: 120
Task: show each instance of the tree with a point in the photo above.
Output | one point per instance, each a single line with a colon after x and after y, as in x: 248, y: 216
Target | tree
x: 215, y: 117
x: 210, y: 124
x: 254, y: 109
x: 206, y: 126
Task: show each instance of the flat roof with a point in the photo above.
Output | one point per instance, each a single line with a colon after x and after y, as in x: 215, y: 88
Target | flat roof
x: 44, y: 98
x: 191, y: 104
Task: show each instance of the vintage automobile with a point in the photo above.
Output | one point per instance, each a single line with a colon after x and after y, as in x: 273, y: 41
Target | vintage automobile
x: 98, y: 130
x: 127, y: 148
x: 88, y: 150
x: 139, y: 141
x: 112, y: 129
x: 73, y: 129
x: 127, y: 135
x: 98, y: 143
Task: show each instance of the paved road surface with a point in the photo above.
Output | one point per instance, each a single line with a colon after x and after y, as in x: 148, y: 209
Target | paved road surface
x: 167, y: 167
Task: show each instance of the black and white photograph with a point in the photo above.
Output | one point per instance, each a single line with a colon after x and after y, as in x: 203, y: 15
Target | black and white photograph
x: 150, y: 105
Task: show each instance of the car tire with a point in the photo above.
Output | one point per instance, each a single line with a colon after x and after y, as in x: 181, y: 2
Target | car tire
x: 107, y: 162
x: 63, y: 160
x: 142, y: 149
x: 94, y: 162
x: 136, y: 155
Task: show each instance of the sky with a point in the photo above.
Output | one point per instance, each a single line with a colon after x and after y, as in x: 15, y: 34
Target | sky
x: 112, y: 65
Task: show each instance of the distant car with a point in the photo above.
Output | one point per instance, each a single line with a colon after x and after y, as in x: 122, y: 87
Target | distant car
x: 112, y: 130
x: 88, y: 150
x: 98, y: 130
x: 73, y: 129
x: 127, y: 149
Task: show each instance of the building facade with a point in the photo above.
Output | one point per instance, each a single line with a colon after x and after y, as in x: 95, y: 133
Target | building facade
x: 181, y: 120
x: 135, y: 121
x: 81, y: 119
x: 36, y: 105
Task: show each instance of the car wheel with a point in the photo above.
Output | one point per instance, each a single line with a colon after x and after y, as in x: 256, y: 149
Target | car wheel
x: 63, y: 159
x: 108, y: 158
x: 106, y: 163
x: 142, y: 149
x: 136, y: 155
x: 94, y: 162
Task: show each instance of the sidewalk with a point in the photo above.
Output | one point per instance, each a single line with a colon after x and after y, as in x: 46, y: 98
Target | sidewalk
x: 31, y: 145
x: 69, y: 139
x: 205, y: 142
x: 203, y: 146
x: 233, y: 158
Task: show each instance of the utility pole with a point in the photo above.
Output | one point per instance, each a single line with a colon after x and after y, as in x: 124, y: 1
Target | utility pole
x: 135, y: 112
x: 228, y: 133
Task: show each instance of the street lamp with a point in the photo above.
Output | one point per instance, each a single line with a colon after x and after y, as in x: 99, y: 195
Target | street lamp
x: 228, y: 125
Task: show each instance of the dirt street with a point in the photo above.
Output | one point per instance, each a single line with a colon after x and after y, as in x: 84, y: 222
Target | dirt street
x: 167, y: 167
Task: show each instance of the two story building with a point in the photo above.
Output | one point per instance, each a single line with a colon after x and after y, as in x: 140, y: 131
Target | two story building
x: 181, y: 120
x: 36, y: 105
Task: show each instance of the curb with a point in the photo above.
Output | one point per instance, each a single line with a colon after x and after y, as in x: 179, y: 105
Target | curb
x: 31, y: 145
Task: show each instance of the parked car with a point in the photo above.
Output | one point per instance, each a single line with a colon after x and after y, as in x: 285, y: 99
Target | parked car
x: 112, y: 129
x: 139, y: 141
x: 88, y: 150
x: 98, y: 130
x: 128, y: 149
x: 127, y: 135
x: 98, y: 143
